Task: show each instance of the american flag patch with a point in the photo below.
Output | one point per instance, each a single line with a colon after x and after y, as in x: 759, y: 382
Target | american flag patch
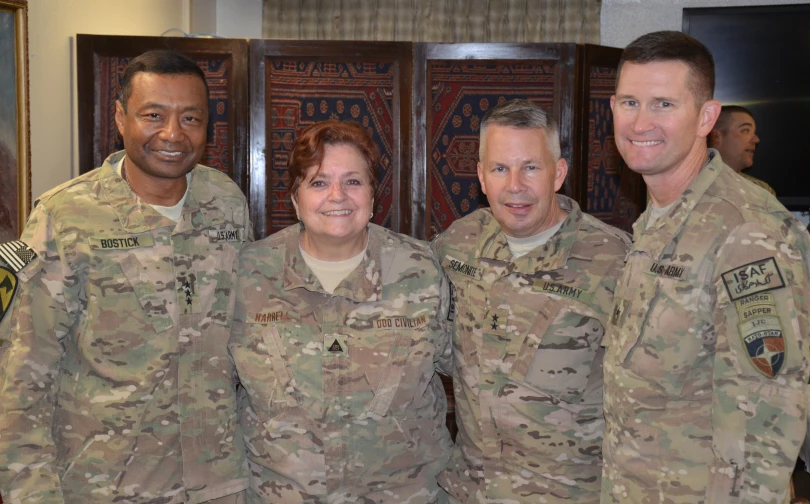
x: 16, y: 254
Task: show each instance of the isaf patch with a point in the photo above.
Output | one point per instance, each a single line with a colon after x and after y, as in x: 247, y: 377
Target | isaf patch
x: 17, y: 255
x: 8, y: 286
x: 761, y: 332
x: 753, y: 278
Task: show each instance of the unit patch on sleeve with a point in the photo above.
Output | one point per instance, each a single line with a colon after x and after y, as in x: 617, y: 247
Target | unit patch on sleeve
x: 761, y: 333
x: 8, y: 286
x: 17, y: 254
x: 753, y: 278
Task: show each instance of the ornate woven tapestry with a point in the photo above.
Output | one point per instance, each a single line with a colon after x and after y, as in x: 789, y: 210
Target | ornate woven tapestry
x: 217, y: 148
x: 460, y: 95
x: 305, y: 92
x: 613, y: 188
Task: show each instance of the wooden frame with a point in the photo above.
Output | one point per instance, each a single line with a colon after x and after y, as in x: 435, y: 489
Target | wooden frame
x: 15, y: 159
x: 565, y: 90
x: 263, y: 53
x: 89, y: 48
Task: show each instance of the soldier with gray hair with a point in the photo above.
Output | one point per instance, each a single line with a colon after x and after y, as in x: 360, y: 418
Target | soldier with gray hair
x: 115, y: 383
x: 533, y: 281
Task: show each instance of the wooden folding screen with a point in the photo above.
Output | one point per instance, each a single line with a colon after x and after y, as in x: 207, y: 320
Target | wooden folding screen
x: 101, y: 60
x: 296, y: 83
x: 609, y: 189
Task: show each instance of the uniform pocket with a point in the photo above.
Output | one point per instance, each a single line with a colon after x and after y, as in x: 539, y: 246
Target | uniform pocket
x: 558, y: 353
x: 669, y: 341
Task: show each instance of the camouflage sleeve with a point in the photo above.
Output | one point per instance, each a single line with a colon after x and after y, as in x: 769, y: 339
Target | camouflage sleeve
x: 40, y: 317
x: 444, y: 355
x: 759, y: 402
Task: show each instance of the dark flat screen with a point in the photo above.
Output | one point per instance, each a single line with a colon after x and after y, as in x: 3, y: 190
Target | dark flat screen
x: 762, y: 58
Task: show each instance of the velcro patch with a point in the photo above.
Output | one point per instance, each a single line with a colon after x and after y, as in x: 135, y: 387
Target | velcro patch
x: 125, y: 242
x: 753, y: 278
x: 458, y: 266
x: 271, y: 317
x: 667, y: 270
x: 761, y: 333
x: 564, y: 290
x: 17, y: 254
x: 451, y: 311
x: 8, y: 286
x: 230, y: 235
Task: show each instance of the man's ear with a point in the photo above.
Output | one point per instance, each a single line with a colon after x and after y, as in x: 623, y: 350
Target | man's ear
x: 119, y: 116
x: 709, y: 113
x: 561, y: 170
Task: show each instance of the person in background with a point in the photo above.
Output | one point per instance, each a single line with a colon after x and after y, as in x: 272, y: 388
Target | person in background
x: 115, y: 383
x: 706, y: 367
x: 533, y: 278
x: 734, y: 136
x: 339, y: 328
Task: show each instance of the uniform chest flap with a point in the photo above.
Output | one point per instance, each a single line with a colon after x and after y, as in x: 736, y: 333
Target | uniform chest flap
x: 546, y: 337
x: 667, y: 324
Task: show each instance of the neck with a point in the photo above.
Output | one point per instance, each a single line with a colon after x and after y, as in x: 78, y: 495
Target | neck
x: 326, y: 249
x: 666, y: 187
x: 153, y: 190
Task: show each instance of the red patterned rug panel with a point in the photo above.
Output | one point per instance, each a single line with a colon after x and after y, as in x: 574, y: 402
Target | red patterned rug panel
x: 305, y: 92
x: 460, y: 95
x: 217, y: 72
x: 612, y: 186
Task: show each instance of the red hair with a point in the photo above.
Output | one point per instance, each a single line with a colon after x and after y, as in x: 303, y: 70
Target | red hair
x: 308, y: 149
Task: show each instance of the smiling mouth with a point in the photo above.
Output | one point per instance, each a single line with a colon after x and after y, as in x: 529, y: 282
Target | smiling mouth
x: 174, y: 154
x: 336, y: 213
x: 648, y: 143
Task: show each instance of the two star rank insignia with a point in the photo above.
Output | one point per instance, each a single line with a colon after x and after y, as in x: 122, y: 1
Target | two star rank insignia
x: 495, y: 321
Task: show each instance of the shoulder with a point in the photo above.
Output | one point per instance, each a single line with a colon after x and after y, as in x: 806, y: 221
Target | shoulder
x: 275, y: 243
x: 594, y: 230
x: 66, y: 193
x: 463, y: 232
x: 220, y: 185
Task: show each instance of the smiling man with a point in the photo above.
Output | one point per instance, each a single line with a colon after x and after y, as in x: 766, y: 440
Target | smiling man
x: 706, y: 363
x: 734, y: 136
x: 533, y: 285
x: 115, y: 382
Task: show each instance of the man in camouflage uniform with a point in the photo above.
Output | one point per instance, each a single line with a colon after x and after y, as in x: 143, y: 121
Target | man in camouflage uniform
x: 533, y: 279
x: 705, y: 367
x: 341, y: 401
x: 734, y: 136
x: 115, y: 384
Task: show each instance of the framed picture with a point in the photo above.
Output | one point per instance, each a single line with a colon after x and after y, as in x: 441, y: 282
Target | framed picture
x: 15, y: 149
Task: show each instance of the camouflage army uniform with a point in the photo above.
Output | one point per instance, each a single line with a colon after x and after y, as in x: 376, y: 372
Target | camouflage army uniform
x: 116, y: 385
x: 341, y: 402
x: 528, y: 362
x: 706, y: 368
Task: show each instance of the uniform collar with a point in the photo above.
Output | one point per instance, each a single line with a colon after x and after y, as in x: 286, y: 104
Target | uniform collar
x: 363, y: 284
x: 551, y: 256
x: 655, y: 240
x: 137, y: 216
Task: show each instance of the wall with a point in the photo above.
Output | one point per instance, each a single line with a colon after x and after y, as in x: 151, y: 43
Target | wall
x: 52, y: 27
x: 623, y: 21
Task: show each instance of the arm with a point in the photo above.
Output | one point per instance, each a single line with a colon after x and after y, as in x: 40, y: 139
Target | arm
x: 37, y: 319
x: 759, y: 402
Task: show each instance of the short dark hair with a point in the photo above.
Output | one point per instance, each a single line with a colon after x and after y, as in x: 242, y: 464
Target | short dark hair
x: 675, y: 46
x: 160, y: 62
x: 309, y: 148
x: 724, y: 119
x: 523, y: 114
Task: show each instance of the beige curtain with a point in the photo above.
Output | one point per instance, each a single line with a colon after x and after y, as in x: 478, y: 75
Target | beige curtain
x: 433, y: 20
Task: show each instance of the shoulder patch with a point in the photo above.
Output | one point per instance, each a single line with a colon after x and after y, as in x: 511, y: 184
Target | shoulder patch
x: 8, y: 286
x: 17, y: 254
x: 753, y: 278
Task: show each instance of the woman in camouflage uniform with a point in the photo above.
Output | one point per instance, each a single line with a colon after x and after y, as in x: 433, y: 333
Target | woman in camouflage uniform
x: 339, y: 327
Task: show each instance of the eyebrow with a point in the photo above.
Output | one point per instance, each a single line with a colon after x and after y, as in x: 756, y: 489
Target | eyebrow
x: 161, y: 106
x: 745, y: 124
